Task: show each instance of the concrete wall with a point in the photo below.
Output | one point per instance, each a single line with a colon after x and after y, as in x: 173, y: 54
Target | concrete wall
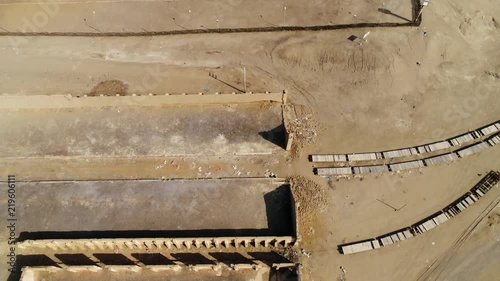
x: 148, y: 244
x: 68, y: 101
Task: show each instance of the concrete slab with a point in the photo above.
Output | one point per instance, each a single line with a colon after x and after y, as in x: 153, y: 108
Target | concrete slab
x: 142, y: 131
x: 156, y: 16
x: 185, y: 274
x: 135, y: 209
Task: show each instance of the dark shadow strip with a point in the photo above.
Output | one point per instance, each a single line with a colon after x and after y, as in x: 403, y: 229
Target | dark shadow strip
x: 215, y: 30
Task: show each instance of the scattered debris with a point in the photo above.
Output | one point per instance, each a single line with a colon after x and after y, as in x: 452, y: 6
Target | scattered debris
x: 109, y: 88
x: 493, y: 74
x: 310, y: 199
x: 342, y: 276
x: 301, y: 123
x: 175, y: 165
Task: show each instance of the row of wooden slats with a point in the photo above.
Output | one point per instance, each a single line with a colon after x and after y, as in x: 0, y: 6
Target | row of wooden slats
x: 469, y: 200
x: 407, y: 234
x: 494, y: 140
x: 346, y: 157
x: 429, y: 224
x: 323, y: 158
x: 436, y: 160
x: 396, y: 237
x: 491, y: 129
x: 400, y: 153
x: 363, y: 157
x: 442, y: 218
x: 441, y: 159
x: 334, y: 171
x: 433, y: 147
x: 474, y: 197
x: 407, y: 165
x: 486, y: 185
x: 476, y: 148
x: 371, y: 169
x: 386, y: 240
x: 457, y: 141
x: 357, y: 248
x: 450, y: 212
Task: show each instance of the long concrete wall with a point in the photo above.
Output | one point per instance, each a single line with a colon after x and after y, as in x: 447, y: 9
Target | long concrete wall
x: 68, y: 101
x: 29, y: 273
x: 155, y: 244
x: 245, y: 270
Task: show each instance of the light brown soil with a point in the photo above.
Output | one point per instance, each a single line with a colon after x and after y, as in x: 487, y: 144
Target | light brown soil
x: 310, y: 199
x: 367, y: 97
x: 301, y: 122
x: 110, y: 88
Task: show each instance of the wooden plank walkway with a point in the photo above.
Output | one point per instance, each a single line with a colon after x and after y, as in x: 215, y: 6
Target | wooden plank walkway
x: 421, y: 150
x: 409, y: 165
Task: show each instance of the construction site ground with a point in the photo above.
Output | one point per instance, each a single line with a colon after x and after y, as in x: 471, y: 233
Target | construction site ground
x: 67, y: 16
x: 361, y: 98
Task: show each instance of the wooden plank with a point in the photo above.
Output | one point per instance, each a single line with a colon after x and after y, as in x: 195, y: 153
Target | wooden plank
x: 489, y: 130
x: 472, y: 149
x: 395, y: 238
x: 362, y: 157
x: 334, y: 171
x: 401, y: 236
x: 386, y: 241
x: 469, y: 200
x: 407, y: 234
x: 473, y: 197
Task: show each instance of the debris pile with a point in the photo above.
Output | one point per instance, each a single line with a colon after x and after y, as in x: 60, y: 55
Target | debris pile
x: 302, y: 124
x: 309, y: 197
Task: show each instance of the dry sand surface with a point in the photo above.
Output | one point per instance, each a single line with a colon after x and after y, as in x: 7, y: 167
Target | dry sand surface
x: 69, y: 16
x: 367, y: 97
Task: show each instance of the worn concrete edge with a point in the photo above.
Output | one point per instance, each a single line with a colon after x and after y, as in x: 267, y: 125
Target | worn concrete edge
x: 68, y: 101
x: 276, y: 181
x: 412, y: 23
x: 29, y: 273
x: 273, y: 151
x: 159, y: 243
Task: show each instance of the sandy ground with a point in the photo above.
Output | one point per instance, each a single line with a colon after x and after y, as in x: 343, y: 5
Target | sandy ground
x: 355, y: 214
x: 427, y: 102
x: 367, y: 97
x: 145, y: 167
x: 139, y: 16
